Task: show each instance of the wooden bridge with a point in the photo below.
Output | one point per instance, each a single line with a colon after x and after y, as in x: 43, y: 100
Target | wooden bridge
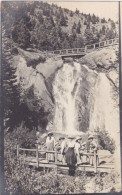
x: 37, y: 158
x: 86, y: 49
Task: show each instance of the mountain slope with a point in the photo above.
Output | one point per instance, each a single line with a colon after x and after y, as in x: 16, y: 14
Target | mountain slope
x: 48, y: 27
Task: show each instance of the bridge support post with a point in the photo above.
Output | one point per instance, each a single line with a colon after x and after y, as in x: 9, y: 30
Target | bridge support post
x: 95, y: 161
x: 37, y: 155
x: 56, y: 156
x: 17, y: 151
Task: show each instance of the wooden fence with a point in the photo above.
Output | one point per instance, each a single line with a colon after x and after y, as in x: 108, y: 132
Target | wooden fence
x: 35, y: 160
x: 86, y: 48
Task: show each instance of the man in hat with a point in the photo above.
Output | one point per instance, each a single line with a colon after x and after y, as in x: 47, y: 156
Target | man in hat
x: 92, y: 147
x: 50, y: 145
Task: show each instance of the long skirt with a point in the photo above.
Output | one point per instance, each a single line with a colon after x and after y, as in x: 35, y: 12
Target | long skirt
x: 50, y: 156
x: 71, y: 160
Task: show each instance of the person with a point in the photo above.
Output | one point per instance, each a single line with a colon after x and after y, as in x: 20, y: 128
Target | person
x: 70, y: 156
x: 50, y: 145
x: 62, y: 148
x: 77, y: 149
x: 92, y: 147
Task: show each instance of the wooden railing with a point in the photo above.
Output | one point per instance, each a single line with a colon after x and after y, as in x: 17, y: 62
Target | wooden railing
x: 38, y: 151
x: 87, y: 48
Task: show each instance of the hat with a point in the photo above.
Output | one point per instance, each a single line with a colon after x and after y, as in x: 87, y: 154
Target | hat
x: 60, y: 138
x: 90, y: 137
x: 50, y: 133
x: 78, y: 138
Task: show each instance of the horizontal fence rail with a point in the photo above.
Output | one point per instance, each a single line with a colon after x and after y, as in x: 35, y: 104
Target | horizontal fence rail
x: 87, y: 48
x: 41, y: 163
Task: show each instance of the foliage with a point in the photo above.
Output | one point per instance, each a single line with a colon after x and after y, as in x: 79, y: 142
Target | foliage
x: 23, y: 180
x: 18, y: 177
x: 11, y: 90
x: 44, y: 26
x: 21, y: 136
x: 105, y: 141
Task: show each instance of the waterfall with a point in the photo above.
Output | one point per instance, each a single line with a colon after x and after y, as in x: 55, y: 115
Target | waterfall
x: 80, y: 91
x: 65, y: 88
x: 104, y: 112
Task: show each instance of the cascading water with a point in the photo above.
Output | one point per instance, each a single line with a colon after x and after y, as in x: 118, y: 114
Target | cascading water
x: 65, y: 88
x: 80, y: 91
x: 104, y: 112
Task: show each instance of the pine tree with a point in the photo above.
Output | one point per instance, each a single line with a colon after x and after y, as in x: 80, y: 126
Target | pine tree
x: 71, y: 14
x: 11, y: 99
x: 78, y: 30
x: 21, y: 34
x: 77, y: 11
x: 74, y: 26
x: 63, y: 20
x: 88, y: 35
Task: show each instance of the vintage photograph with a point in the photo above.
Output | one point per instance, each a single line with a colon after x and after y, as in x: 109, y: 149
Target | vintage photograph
x: 61, y: 97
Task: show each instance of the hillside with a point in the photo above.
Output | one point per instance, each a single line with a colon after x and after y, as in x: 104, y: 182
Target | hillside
x: 39, y: 25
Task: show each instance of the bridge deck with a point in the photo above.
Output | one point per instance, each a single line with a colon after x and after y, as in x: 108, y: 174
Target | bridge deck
x: 86, y: 49
x: 107, y: 167
x: 38, y: 161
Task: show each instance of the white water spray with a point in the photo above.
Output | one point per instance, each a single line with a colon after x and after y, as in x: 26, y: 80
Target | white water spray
x: 65, y: 88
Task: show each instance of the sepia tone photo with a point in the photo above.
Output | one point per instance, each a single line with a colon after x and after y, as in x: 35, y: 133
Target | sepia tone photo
x: 61, y: 97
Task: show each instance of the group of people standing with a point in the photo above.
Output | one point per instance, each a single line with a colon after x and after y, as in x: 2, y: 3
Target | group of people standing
x: 71, y: 150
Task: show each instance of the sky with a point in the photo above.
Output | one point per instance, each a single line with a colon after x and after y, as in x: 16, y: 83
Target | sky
x: 101, y: 9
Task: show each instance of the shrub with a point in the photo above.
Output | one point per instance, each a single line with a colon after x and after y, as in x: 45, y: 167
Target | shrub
x: 105, y: 141
x: 22, y: 136
x: 18, y: 177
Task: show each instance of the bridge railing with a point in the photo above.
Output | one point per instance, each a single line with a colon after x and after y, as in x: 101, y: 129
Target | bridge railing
x: 37, y: 152
x: 86, y: 48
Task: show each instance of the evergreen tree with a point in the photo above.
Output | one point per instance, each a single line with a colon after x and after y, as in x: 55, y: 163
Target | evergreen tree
x: 89, y: 35
x: 71, y: 14
x: 77, y: 11
x: 11, y: 97
x: 113, y: 26
x: 21, y: 35
x: 63, y: 21
x: 78, y: 30
x: 79, y: 24
x: 74, y: 26
x: 103, y: 30
x: 103, y: 20
x: 40, y: 18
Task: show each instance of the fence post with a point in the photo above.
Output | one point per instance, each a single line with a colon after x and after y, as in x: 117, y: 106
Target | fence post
x: 95, y: 161
x: 55, y: 156
x: 37, y: 155
x: 17, y: 151
x: 85, y: 48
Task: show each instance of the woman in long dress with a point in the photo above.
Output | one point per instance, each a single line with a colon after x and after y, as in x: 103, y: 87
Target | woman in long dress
x: 50, y: 145
x: 61, y: 146
x: 93, y: 147
x: 71, y: 156
x: 77, y: 149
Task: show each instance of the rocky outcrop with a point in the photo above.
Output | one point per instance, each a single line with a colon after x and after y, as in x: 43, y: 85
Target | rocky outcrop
x: 35, y: 69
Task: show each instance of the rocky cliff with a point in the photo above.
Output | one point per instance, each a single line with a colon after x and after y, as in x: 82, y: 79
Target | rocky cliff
x: 96, y: 99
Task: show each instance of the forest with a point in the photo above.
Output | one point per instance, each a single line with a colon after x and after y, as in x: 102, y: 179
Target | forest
x: 42, y: 26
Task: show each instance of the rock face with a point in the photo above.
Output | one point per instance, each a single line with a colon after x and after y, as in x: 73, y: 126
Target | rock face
x: 84, y: 93
x: 40, y: 76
